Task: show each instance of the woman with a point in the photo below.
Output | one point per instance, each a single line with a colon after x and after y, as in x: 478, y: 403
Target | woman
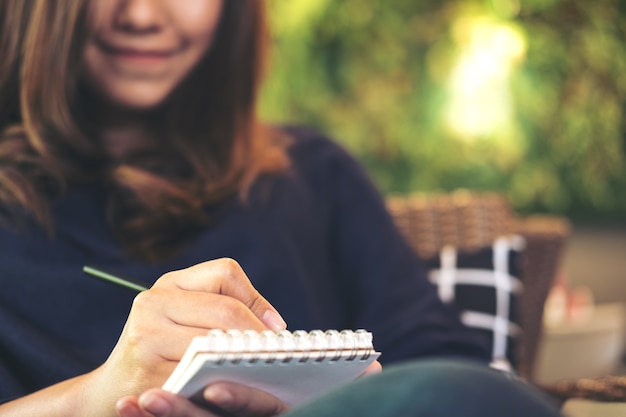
x: 129, y: 140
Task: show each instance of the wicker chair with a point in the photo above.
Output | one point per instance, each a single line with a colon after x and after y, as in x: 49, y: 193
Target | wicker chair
x: 471, y: 221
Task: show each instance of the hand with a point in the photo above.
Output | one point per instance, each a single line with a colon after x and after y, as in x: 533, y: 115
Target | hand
x: 231, y: 398
x: 164, y: 319
x: 218, y: 399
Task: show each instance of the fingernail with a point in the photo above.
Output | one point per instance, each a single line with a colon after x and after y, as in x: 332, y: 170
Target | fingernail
x: 274, y: 321
x: 154, y: 404
x: 219, y: 396
x: 127, y: 409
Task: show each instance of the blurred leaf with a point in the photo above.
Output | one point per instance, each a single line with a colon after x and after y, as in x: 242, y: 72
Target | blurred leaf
x: 377, y: 77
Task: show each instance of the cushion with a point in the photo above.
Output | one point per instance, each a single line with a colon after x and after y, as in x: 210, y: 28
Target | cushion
x: 485, y: 286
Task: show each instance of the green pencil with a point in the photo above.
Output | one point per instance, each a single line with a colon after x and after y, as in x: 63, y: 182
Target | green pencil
x: 124, y: 282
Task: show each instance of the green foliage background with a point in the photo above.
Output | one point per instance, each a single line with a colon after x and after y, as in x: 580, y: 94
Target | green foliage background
x: 375, y: 76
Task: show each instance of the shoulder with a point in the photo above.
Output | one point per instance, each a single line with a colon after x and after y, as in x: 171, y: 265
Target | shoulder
x: 321, y: 173
x: 331, y: 172
x: 313, y: 153
x: 307, y: 141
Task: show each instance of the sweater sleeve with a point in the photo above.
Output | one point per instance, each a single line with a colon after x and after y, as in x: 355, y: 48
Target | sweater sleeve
x: 384, y: 285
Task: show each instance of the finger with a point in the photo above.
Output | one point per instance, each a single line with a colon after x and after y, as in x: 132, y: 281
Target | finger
x: 197, y: 309
x: 129, y: 407
x: 225, y: 277
x: 161, y: 403
x: 242, y: 400
x: 374, y: 368
x: 182, y: 319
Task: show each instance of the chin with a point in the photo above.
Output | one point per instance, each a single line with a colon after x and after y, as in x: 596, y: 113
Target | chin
x: 139, y: 102
x: 143, y: 97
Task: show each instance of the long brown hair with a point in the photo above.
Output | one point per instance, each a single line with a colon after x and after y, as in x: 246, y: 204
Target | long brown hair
x: 156, y: 199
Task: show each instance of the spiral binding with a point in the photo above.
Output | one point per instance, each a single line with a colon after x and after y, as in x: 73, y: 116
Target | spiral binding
x: 285, y: 346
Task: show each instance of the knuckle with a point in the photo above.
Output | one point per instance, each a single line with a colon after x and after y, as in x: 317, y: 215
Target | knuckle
x: 230, y: 266
x: 257, y: 303
x: 147, y: 301
x: 168, y: 276
x: 143, y: 299
x: 166, y: 279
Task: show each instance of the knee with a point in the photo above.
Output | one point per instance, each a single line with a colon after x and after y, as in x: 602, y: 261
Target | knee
x: 464, y: 388
x: 432, y: 388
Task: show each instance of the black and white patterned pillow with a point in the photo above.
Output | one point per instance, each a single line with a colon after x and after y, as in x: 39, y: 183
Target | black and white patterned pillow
x: 486, y: 287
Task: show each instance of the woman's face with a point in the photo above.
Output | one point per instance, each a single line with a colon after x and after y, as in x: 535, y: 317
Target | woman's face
x: 138, y: 51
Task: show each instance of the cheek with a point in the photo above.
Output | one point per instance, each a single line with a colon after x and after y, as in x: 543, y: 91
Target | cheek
x: 197, y: 19
x: 99, y: 15
x: 130, y: 89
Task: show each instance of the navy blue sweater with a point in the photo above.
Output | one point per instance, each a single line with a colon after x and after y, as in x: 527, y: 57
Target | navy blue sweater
x: 316, y: 241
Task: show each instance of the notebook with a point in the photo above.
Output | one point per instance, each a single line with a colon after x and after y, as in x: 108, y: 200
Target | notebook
x: 293, y: 366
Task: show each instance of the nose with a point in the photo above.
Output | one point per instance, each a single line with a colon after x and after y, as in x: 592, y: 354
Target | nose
x: 139, y: 15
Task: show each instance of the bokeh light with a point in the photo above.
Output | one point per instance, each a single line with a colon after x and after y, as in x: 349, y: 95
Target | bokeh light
x: 523, y: 97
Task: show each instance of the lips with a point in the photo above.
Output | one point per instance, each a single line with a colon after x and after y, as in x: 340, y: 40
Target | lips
x: 136, y: 53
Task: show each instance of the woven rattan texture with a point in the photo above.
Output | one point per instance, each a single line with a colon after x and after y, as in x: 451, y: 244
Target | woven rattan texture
x: 606, y: 389
x: 470, y: 221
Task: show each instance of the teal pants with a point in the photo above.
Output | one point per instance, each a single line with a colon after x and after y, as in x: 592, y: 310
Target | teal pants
x: 432, y: 388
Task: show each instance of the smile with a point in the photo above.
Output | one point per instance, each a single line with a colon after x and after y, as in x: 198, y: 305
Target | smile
x: 135, y: 54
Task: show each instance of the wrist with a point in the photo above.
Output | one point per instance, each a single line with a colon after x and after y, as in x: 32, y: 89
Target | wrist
x: 65, y: 399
